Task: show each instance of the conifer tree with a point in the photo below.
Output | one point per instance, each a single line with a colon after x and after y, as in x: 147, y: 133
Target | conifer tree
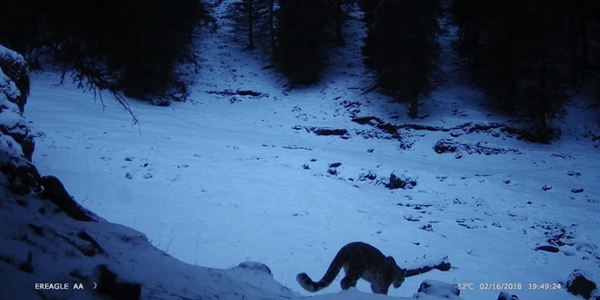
x: 301, y: 39
x: 130, y: 46
x: 401, y: 47
x: 337, y: 12
x: 522, y: 53
x: 255, y: 20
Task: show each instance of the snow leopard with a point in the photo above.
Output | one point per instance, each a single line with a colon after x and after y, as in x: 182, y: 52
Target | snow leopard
x: 359, y: 260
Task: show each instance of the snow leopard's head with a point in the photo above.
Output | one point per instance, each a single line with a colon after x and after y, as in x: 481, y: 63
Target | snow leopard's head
x: 398, y: 273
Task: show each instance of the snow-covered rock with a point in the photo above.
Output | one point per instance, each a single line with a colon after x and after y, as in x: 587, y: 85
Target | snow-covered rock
x: 579, y: 284
x: 16, y: 139
x: 14, y: 82
x: 507, y: 296
x: 438, y: 289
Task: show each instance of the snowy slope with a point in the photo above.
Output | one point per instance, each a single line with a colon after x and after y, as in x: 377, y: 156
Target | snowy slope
x: 226, y: 178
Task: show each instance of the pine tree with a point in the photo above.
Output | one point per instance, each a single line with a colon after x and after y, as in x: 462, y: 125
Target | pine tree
x: 301, y: 39
x: 401, y: 47
x: 131, y: 46
x: 519, y: 53
x: 587, y: 39
x: 337, y: 12
x: 254, y: 19
x: 587, y: 32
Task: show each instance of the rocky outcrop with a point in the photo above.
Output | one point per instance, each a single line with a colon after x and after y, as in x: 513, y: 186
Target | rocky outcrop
x: 15, y: 68
x: 579, y: 284
x: 16, y: 139
x: 55, y: 191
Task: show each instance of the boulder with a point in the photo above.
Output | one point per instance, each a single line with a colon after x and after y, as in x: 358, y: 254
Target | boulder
x: 507, y: 296
x: 111, y: 285
x: 13, y: 65
x: 16, y: 139
x: 579, y: 284
x: 439, y: 289
x: 56, y: 192
x: 401, y: 182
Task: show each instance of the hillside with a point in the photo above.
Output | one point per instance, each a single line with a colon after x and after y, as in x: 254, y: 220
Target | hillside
x: 286, y: 175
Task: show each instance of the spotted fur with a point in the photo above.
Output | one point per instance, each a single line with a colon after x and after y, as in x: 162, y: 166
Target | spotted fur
x: 359, y: 260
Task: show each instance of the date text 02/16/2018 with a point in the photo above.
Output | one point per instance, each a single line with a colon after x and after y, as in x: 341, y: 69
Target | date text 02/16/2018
x: 509, y: 286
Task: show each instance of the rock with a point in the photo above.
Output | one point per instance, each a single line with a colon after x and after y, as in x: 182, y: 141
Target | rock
x: 19, y: 131
x: 507, y: 296
x: 450, y: 146
x: 94, y: 247
x: 324, y: 131
x: 400, y: 183
x: 13, y: 65
x: 21, y: 175
x: 578, y: 284
x: 330, y: 131
x: 16, y: 139
x: 27, y: 266
x: 109, y: 284
x: 437, y: 288
x: 412, y: 218
x: 547, y: 248
x: 445, y: 146
x: 249, y: 93
x: 333, y: 168
x: 56, y: 192
x: 427, y: 227
x: 367, y: 176
x: 335, y: 165
x: 257, y: 266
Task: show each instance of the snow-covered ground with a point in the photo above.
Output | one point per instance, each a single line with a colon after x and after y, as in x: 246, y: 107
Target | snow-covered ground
x: 228, y: 178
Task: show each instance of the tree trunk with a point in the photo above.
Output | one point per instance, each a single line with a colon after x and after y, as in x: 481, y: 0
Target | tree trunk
x: 511, y: 92
x: 414, y: 107
x: 542, y: 107
x: 509, y: 75
x: 339, y: 37
x: 250, y: 13
x: 272, y: 28
x: 583, y: 32
x: 414, y: 103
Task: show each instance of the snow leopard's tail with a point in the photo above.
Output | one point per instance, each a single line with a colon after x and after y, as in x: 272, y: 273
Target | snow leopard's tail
x: 333, y: 270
